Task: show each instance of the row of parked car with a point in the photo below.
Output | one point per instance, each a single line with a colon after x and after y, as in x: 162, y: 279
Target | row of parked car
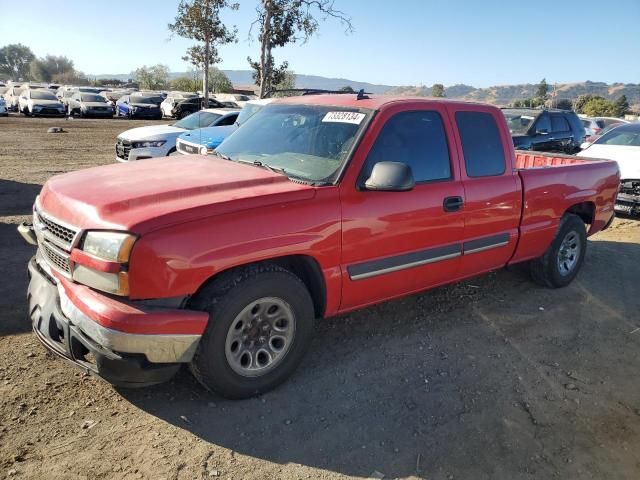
x: 53, y: 100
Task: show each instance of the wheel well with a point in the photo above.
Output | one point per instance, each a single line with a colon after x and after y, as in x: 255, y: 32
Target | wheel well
x: 585, y: 210
x: 306, y: 268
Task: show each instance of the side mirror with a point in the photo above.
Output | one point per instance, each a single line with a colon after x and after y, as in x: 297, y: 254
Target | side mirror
x: 390, y: 177
x: 542, y: 131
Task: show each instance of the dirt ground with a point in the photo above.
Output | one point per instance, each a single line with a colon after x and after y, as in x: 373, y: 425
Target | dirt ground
x: 494, y: 378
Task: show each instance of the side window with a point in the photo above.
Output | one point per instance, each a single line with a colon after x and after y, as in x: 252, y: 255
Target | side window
x: 481, y: 144
x: 559, y: 124
x: 229, y: 120
x: 543, y: 124
x: 417, y: 139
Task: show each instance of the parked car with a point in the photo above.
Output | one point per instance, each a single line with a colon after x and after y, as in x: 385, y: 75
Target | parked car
x: 3, y: 108
x: 592, y: 138
x: 172, y: 98
x: 89, y: 105
x: 138, y: 107
x: 187, y: 106
x: 205, y: 140
x: 546, y: 130
x: 159, y: 141
x: 12, y: 96
x: 622, y: 144
x: 595, y: 125
x: 317, y: 206
x: 111, y: 97
x: 40, y: 102
x: 238, y: 98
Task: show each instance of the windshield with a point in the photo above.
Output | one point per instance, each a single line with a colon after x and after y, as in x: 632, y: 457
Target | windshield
x: 249, y: 110
x: 518, y: 123
x: 197, y: 120
x: 92, y: 98
x: 37, y: 95
x: 307, y: 141
x: 624, y: 135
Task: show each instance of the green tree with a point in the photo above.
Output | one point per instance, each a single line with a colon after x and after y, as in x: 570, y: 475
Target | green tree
x: 15, y: 60
x: 437, y: 90
x: 563, y: 104
x: 199, y: 20
x: 281, y: 22
x: 599, y: 107
x: 155, y: 77
x: 543, y: 89
x: 186, y: 84
x: 621, y: 106
x: 45, y: 69
x: 582, y: 100
x: 287, y: 82
x: 218, y: 81
x: 347, y: 88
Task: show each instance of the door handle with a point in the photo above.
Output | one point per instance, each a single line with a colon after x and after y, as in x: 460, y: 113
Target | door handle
x: 452, y: 204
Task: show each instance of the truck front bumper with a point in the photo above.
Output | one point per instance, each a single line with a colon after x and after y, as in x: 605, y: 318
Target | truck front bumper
x: 119, y: 357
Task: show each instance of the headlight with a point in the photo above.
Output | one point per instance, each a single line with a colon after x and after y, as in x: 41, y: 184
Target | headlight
x: 112, y: 248
x: 152, y: 143
x: 205, y: 151
x: 109, y: 246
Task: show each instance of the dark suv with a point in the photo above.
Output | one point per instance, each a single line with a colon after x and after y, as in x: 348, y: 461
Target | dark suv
x: 546, y: 130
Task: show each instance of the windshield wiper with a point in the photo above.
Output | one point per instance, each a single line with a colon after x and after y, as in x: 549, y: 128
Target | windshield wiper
x: 279, y: 170
x: 222, y: 156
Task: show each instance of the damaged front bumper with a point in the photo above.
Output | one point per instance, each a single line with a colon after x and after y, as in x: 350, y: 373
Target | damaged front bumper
x: 124, y: 358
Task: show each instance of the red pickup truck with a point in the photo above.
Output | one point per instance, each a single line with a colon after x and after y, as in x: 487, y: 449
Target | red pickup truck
x: 317, y: 206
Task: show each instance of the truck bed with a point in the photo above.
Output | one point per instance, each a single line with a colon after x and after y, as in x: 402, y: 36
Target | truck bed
x: 554, y: 183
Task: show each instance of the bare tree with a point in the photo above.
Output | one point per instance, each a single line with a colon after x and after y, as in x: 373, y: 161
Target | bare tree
x: 199, y: 20
x: 281, y: 22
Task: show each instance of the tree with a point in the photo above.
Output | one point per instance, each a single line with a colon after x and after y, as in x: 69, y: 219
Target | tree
x: 621, y: 106
x: 347, y: 88
x: 437, y: 90
x: 73, y: 77
x: 155, y: 77
x: 44, y: 69
x: 186, y: 84
x: 15, y: 60
x: 287, y: 82
x: 599, y: 107
x: 582, y: 100
x: 281, y: 22
x: 199, y: 20
x: 542, y: 90
x: 218, y: 81
x: 563, y: 104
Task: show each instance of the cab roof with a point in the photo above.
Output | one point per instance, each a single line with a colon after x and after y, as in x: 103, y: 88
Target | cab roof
x: 372, y: 102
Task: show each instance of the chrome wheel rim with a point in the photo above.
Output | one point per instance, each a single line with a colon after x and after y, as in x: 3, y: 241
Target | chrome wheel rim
x: 260, y: 337
x: 569, y: 253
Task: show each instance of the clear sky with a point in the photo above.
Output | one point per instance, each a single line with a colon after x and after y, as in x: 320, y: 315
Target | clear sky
x: 398, y: 42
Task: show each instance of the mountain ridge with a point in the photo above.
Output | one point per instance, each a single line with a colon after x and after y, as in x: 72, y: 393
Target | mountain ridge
x: 501, y: 95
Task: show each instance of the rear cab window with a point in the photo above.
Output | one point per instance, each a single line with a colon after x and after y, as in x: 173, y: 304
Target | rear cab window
x: 482, y: 146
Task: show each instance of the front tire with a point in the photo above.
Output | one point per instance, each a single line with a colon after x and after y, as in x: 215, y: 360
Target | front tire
x: 260, y: 327
x: 563, y: 259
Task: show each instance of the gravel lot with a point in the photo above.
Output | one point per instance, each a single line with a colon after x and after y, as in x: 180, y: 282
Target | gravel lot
x: 494, y: 378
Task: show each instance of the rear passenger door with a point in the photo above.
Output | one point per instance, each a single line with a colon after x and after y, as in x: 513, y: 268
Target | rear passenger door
x: 562, y: 136
x: 493, y: 197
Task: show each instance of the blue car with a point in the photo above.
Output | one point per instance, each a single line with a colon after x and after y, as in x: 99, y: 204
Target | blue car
x: 138, y: 106
x: 204, y: 141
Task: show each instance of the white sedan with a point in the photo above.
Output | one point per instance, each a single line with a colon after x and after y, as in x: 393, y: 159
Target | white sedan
x: 159, y: 141
x: 622, y: 144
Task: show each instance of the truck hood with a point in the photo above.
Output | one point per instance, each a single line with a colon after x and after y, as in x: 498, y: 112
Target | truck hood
x: 144, y: 196
x: 210, y: 137
x: 153, y: 131
x: 628, y: 158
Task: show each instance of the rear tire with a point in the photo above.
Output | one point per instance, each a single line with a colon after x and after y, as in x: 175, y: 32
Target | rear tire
x: 563, y: 259
x: 260, y: 327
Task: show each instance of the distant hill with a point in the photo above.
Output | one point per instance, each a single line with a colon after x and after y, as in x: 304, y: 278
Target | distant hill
x: 498, y: 95
x: 245, y: 77
x: 505, y: 94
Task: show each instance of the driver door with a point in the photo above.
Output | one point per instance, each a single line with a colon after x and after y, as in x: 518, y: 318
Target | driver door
x: 395, y: 243
x: 542, y: 137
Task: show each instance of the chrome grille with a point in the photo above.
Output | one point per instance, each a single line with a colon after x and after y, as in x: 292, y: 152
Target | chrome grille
x: 56, y: 258
x: 122, y: 148
x: 64, y: 234
x: 183, y: 147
